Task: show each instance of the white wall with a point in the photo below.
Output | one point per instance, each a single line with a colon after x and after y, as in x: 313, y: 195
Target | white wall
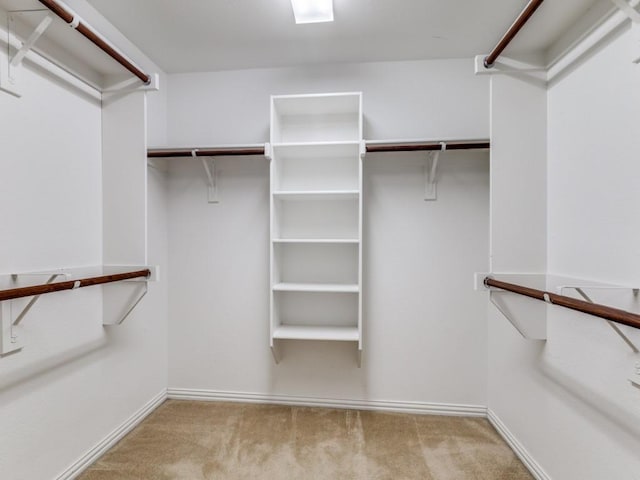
x: 75, y: 381
x: 594, y: 233
x: 425, y: 334
x: 567, y: 400
x: 431, y: 99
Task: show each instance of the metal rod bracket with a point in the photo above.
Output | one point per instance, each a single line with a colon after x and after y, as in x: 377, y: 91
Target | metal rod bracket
x: 431, y: 173
x: 209, y: 165
x: 614, y: 327
x: 10, y: 340
x: 533, y: 72
x: 529, y: 318
x: 11, y: 66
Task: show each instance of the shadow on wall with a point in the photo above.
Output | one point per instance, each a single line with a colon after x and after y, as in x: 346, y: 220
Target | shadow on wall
x: 54, y: 367
x: 609, y: 414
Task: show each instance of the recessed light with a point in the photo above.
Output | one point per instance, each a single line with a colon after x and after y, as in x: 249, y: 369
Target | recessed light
x: 312, y: 11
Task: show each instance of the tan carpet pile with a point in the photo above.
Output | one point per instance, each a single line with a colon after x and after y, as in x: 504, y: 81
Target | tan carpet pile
x: 220, y: 441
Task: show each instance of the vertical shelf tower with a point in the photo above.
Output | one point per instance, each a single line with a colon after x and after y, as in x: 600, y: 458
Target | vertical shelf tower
x: 316, y: 218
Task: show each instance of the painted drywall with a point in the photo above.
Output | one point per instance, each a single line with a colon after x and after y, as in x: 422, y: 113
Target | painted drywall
x: 424, y: 328
x: 594, y: 234
x: 75, y: 381
x: 430, y: 99
x: 567, y: 401
x: 518, y: 232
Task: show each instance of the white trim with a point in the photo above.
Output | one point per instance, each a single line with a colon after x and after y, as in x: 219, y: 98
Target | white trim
x: 590, y: 40
x: 378, y: 405
x: 517, y: 447
x: 80, y: 465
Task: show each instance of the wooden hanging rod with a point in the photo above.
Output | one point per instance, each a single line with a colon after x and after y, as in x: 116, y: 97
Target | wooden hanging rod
x: 259, y: 150
x: 520, y: 22
x: 204, y: 152
x: 96, y: 39
x: 22, y: 292
x: 602, y: 311
x: 415, y: 147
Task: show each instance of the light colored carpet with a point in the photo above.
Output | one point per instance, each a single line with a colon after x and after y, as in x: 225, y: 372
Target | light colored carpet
x: 219, y: 441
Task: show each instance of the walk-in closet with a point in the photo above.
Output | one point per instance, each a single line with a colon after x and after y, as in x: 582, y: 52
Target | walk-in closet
x: 319, y: 239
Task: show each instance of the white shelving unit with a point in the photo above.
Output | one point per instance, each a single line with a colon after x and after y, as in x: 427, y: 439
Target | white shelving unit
x: 316, y: 218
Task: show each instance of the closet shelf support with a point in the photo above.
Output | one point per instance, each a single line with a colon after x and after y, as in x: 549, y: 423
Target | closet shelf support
x: 22, y: 299
x: 431, y: 171
x: 85, y: 30
x: 42, y: 27
x: 10, y: 73
x: 614, y: 327
x: 209, y: 165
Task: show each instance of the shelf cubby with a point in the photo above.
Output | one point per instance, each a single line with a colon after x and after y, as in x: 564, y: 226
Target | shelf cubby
x: 316, y: 218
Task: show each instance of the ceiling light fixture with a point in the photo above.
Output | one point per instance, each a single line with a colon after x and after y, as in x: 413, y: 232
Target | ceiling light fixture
x: 312, y: 11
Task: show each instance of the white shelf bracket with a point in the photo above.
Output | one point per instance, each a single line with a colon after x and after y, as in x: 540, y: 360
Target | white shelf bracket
x: 33, y: 301
x: 134, y: 303
x: 16, y: 61
x: 275, y: 353
x: 125, y: 296
x: 10, y: 338
x: 129, y: 85
x: 528, y: 317
x: 615, y: 327
x: 431, y: 173
x: 209, y: 165
x: 10, y: 74
x: 533, y: 73
x: 267, y: 151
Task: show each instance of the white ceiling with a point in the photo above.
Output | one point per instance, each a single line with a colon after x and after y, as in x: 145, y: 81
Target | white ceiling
x: 208, y: 35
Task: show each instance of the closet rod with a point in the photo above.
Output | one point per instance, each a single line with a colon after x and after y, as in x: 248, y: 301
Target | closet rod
x: 598, y: 310
x: 522, y: 19
x: 414, y: 147
x: 22, y: 292
x: 205, y: 152
x: 259, y: 150
x: 91, y: 35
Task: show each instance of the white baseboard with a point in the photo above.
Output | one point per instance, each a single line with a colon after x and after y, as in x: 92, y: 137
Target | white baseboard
x: 529, y: 462
x: 110, y: 440
x: 388, y: 406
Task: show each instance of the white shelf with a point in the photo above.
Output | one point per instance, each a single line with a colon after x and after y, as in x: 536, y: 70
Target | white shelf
x: 293, y: 332
x: 319, y: 241
x: 317, y: 104
x: 296, y: 145
x: 316, y: 215
x: 316, y: 287
x: 316, y: 195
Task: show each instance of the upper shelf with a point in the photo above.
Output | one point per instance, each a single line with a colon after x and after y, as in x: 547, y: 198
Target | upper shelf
x: 316, y: 118
x: 316, y: 195
x: 69, y: 43
x: 317, y: 105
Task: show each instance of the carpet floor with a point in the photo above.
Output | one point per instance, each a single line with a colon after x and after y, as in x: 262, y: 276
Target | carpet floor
x: 218, y: 441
